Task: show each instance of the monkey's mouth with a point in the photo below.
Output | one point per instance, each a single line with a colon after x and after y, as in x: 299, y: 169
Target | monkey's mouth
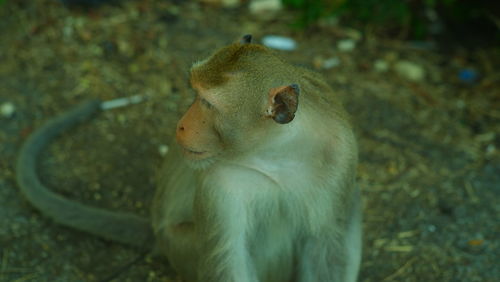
x: 197, y: 153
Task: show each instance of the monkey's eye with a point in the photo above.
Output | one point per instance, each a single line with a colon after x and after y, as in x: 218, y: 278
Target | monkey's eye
x: 206, y: 103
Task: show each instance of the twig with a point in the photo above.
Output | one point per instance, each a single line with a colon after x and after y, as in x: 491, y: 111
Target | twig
x: 121, y: 102
x: 400, y: 270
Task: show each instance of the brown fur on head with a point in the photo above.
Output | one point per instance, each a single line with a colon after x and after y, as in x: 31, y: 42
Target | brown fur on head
x: 216, y: 70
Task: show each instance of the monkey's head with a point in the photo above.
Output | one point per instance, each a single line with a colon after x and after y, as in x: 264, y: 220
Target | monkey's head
x: 245, y: 93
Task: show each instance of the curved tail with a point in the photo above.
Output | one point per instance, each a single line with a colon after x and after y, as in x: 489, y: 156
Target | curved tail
x: 120, y: 227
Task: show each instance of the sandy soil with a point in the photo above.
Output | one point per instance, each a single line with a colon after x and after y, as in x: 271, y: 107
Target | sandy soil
x: 429, y: 148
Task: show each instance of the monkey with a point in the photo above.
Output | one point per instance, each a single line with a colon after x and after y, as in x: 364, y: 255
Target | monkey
x: 267, y: 175
x: 259, y: 183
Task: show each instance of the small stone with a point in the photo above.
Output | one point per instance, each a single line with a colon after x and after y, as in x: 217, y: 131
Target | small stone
x: 486, y: 137
x: 331, y: 63
x: 328, y: 21
x: 410, y: 70
x: 134, y: 68
x: 7, y: 109
x: 230, y: 3
x: 122, y: 119
x: 391, y: 57
x: 125, y: 48
x: 224, y: 3
x: 322, y: 63
x: 414, y: 193
x: 151, y: 274
x: 110, y: 137
x: 460, y: 104
x: 279, y: 42
x: 346, y: 45
x: 380, y: 65
x: 163, y: 150
x: 265, y: 8
x: 68, y: 30
x: 490, y: 150
x: 96, y: 50
x: 171, y: 105
x: 353, y: 34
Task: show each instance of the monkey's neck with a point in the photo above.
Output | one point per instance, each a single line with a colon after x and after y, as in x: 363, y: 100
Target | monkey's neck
x: 277, y: 163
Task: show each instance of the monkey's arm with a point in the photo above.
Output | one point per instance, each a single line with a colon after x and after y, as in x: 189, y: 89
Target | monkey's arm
x: 120, y: 227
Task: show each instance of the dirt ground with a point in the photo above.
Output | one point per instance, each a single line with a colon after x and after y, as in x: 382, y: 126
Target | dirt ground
x: 429, y: 147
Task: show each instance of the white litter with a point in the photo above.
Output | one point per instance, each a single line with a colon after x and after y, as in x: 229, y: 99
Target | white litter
x: 7, y: 109
x: 279, y: 42
x: 121, y: 102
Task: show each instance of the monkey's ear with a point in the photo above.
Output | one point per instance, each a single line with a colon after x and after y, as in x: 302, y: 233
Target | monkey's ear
x: 246, y: 39
x: 283, y: 103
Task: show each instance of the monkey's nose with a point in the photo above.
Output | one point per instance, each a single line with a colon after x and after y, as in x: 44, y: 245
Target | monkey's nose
x: 180, y: 128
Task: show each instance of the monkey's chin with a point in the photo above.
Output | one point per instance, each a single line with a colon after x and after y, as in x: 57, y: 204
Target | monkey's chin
x: 198, y: 160
x: 200, y: 164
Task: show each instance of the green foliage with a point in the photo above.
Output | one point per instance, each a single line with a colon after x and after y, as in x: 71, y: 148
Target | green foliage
x: 312, y: 10
x: 364, y: 11
x: 2, y: 1
x: 388, y: 15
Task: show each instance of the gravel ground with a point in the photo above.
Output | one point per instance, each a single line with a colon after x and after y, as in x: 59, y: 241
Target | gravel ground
x: 429, y: 142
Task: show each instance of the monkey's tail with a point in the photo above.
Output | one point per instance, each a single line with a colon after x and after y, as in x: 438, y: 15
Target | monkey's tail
x: 120, y: 227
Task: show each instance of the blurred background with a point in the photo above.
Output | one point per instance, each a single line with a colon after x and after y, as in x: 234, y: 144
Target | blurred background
x: 421, y: 79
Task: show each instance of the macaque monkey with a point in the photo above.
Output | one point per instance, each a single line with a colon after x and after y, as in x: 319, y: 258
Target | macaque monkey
x: 260, y: 186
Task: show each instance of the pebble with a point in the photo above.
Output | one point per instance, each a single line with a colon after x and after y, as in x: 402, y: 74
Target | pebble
x: 224, y: 3
x: 353, y: 34
x: 230, y: 3
x: 410, y: 70
x: 460, y: 104
x: 279, y: 42
x: 331, y: 63
x: 490, y: 150
x: 7, y: 109
x: 321, y: 63
x: 163, y: 150
x: 346, y: 45
x: 380, y: 66
x: 326, y: 64
x: 265, y: 7
x: 122, y: 119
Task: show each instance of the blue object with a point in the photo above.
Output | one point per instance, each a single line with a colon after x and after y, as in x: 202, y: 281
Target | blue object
x: 468, y: 75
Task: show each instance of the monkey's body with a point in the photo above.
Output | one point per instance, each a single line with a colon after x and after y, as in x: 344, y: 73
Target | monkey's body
x: 258, y: 188
x: 269, y: 214
x: 277, y: 240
